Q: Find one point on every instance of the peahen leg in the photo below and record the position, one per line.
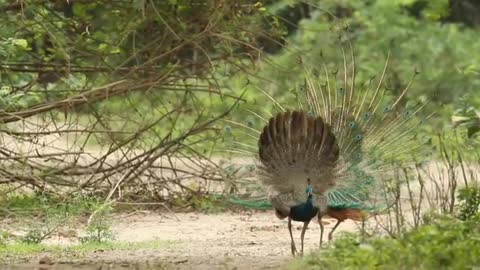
(304, 229)
(292, 243)
(321, 230)
(330, 234)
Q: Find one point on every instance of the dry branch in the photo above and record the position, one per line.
(72, 138)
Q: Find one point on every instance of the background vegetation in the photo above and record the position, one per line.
(103, 102)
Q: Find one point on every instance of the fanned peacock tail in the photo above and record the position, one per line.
(347, 139)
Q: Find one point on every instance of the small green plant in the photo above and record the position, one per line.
(469, 202)
(99, 229)
(99, 232)
(4, 237)
(41, 231)
(34, 236)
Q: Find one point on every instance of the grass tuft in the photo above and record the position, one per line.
(18, 251)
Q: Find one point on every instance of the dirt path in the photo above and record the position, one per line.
(245, 241)
(242, 240)
(218, 241)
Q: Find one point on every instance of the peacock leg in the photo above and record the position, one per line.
(321, 230)
(330, 235)
(292, 243)
(304, 229)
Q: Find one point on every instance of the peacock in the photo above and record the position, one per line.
(334, 152)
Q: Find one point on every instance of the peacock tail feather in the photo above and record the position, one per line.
(347, 139)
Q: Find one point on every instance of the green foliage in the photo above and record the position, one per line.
(85, 42)
(99, 230)
(4, 237)
(16, 251)
(469, 202)
(121, 35)
(57, 50)
(467, 116)
(36, 204)
(445, 243)
(35, 236)
(421, 45)
(410, 30)
(45, 213)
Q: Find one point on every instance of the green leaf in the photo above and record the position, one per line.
(102, 47)
(115, 50)
(139, 4)
(471, 131)
(22, 43)
(5, 90)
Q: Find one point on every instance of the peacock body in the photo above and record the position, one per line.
(333, 153)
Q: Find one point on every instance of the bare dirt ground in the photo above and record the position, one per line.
(248, 240)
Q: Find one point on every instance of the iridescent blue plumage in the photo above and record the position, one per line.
(304, 211)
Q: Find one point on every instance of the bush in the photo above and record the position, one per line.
(445, 243)
(469, 202)
(99, 230)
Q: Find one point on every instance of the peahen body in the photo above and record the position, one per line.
(341, 214)
(333, 153)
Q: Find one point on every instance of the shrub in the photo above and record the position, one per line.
(445, 243)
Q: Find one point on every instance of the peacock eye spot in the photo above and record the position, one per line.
(351, 124)
(386, 109)
(407, 113)
(358, 137)
(366, 116)
(250, 123)
(227, 129)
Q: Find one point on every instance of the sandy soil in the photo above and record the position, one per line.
(249, 240)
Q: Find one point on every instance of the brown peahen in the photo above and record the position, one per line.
(334, 152)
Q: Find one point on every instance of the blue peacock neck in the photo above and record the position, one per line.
(309, 191)
(304, 211)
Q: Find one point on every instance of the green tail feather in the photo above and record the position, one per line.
(264, 204)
